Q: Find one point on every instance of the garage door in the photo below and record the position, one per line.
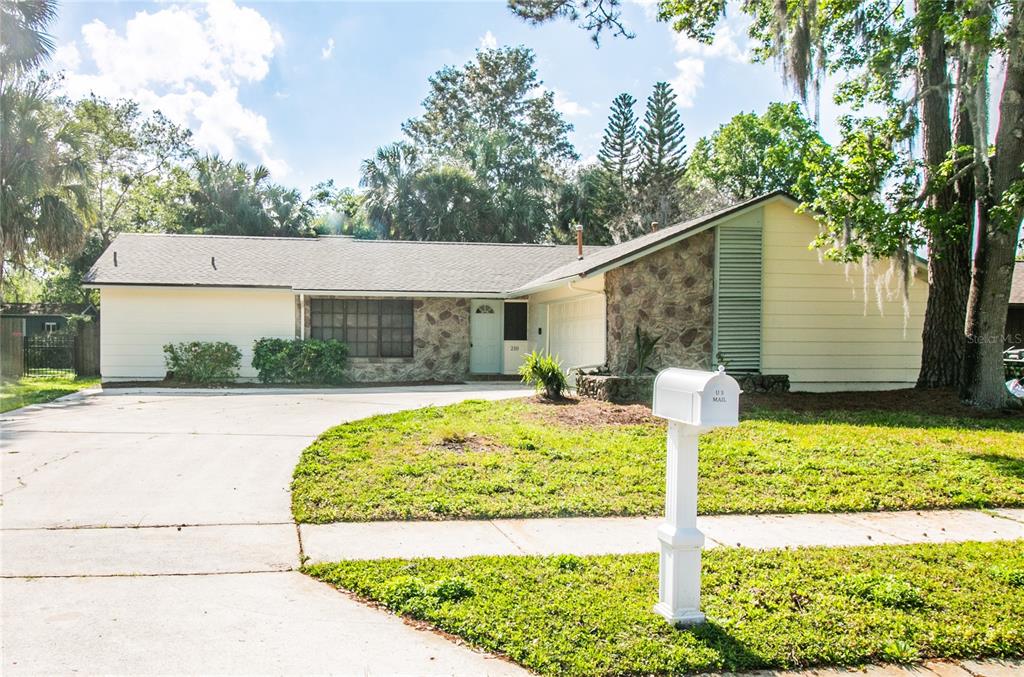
(576, 330)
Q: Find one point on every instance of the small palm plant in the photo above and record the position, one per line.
(645, 345)
(545, 373)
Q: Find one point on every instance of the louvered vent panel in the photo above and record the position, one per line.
(739, 297)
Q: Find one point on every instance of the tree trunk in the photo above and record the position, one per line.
(983, 383)
(942, 340)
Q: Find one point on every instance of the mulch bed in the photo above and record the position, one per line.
(937, 402)
(586, 412)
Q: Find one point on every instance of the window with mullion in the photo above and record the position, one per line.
(370, 328)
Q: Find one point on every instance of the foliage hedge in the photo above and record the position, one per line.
(202, 361)
(300, 360)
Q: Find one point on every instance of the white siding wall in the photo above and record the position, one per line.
(139, 321)
(816, 325)
(572, 323)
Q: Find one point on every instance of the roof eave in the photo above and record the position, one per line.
(404, 293)
(184, 285)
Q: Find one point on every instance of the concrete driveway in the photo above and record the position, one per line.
(150, 532)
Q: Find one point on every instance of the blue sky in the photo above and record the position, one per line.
(310, 89)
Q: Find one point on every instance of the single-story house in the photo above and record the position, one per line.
(740, 286)
(1015, 313)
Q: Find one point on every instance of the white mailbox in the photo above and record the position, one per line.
(692, 401)
(705, 399)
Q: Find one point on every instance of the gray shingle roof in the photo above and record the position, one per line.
(325, 264)
(342, 264)
(608, 256)
(1017, 289)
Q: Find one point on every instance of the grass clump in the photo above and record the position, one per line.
(526, 458)
(774, 609)
(36, 390)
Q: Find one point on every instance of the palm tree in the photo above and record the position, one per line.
(23, 44)
(42, 178)
(42, 173)
(228, 199)
(448, 204)
(389, 178)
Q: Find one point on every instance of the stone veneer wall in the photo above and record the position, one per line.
(640, 389)
(440, 346)
(670, 294)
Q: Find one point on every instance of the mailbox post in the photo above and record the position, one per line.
(692, 402)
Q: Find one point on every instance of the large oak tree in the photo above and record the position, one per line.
(928, 66)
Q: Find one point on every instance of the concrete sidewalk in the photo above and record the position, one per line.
(616, 535)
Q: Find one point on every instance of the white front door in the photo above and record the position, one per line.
(485, 337)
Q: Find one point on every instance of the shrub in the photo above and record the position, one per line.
(300, 360)
(645, 346)
(544, 372)
(202, 361)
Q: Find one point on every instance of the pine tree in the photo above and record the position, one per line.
(662, 148)
(616, 173)
(618, 147)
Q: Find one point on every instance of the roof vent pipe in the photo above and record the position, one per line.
(115, 259)
(654, 226)
(579, 241)
(213, 262)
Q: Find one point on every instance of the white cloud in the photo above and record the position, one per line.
(688, 80)
(567, 107)
(726, 45)
(326, 52)
(488, 41)
(650, 8)
(187, 61)
(67, 57)
(563, 104)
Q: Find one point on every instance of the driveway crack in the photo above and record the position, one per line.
(20, 478)
(302, 551)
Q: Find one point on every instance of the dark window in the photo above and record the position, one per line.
(515, 321)
(370, 328)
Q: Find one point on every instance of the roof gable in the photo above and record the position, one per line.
(608, 258)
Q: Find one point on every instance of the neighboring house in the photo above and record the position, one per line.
(34, 319)
(739, 286)
(1015, 314)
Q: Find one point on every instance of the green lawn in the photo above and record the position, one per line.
(568, 615)
(522, 458)
(33, 390)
